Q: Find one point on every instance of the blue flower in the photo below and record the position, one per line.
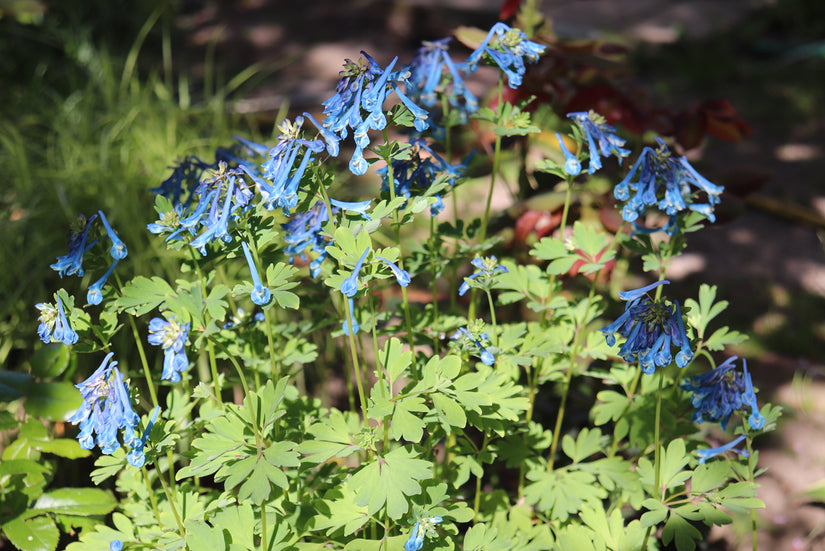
(54, 326)
(470, 341)
(571, 166)
(72, 263)
(94, 295)
(487, 268)
(428, 78)
(260, 295)
(185, 178)
(595, 130)
(651, 328)
(278, 183)
(508, 48)
(424, 526)
(115, 545)
(658, 179)
(358, 104)
(359, 206)
(168, 222)
(415, 175)
(709, 453)
(349, 287)
(118, 250)
(172, 337)
(722, 392)
(135, 457)
(105, 410)
(304, 232)
(402, 276)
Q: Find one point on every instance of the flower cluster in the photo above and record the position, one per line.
(651, 328)
(469, 340)
(722, 392)
(422, 527)
(601, 138)
(54, 326)
(508, 48)
(433, 72)
(417, 172)
(304, 232)
(658, 179)
(106, 408)
(487, 268)
(172, 337)
(358, 104)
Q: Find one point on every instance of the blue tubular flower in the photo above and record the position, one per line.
(351, 320)
(260, 295)
(508, 48)
(424, 526)
(650, 329)
(279, 181)
(115, 545)
(360, 207)
(572, 166)
(709, 453)
(471, 342)
(427, 77)
(135, 456)
(105, 409)
(402, 276)
(349, 287)
(94, 295)
(118, 250)
(487, 268)
(595, 130)
(722, 392)
(172, 337)
(54, 326)
(358, 104)
(303, 231)
(416, 174)
(72, 263)
(657, 179)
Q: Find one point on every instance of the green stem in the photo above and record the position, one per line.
(210, 348)
(397, 230)
(274, 366)
(492, 317)
(564, 212)
(181, 530)
(263, 527)
(152, 499)
(574, 352)
(434, 285)
(386, 387)
(142, 353)
(656, 452)
(477, 499)
(751, 478)
(356, 366)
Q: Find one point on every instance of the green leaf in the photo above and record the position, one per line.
(587, 443)
(64, 447)
(55, 401)
(683, 532)
(199, 535)
(34, 534)
(405, 423)
(76, 501)
(723, 337)
(610, 407)
(278, 280)
(232, 520)
(562, 492)
(555, 250)
(338, 509)
(710, 476)
(394, 359)
(389, 479)
(50, 361)
(141, 295)
(449, 411)
(701, 313)
(334, 437)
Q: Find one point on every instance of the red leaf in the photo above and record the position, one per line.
(508, 9)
